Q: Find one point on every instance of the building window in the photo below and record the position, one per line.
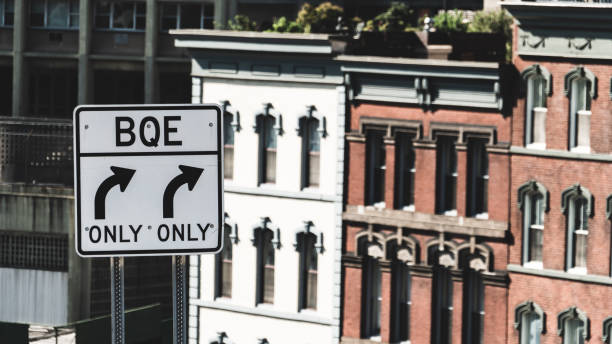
(442, 258)
(573, 326)
(306, 246)
(580, 87)
(311, 151)
(7, 12)
(472, 265)
(263, 240)
(372, 297)
(375, 168)
(533, 200)
(401, 283)
(228, 146)
(187, 16)
(267, 130)
(54, 13)
(536, 87)
(576, 203)
(405, 171)
(129, 16)
(53, 92)
(529, 320)
(223, 266)
(446, 176)
(370, 248)
(478, 179)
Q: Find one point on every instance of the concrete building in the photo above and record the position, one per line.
(561, 203)
(278, 277)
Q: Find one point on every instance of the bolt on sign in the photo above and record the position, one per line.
(148, 180)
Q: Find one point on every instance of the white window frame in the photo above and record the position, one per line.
(521, 312)
(112, 15)
(527, 194)
(569, 197)
(529, 75)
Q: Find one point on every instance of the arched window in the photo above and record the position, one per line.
(607, 330)
(580, 87)
(266, 240)
(231, 124)
(370, 247)
(402, 253)
(309, 244)
(573, 325)
(474, 261)
(268, 126)
(536, 82)
(533, 201)
(311, 128)
(577, 205)
(442, 256)
(529, 319)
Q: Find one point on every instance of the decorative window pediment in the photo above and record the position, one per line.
(529, 307)
(404, 248)
(266, 224)
(536, 70)
(220, 338)
(227, 108)
(580, 72)
(269, 110)
(576, 191)
(441, 252)
(309, 228)
(474, 256)
(311, 112)
(233, 228)
(370, 243)
(532, 187)
(573, 313)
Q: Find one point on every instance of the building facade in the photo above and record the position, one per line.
(560, 262)
(425, 222)
(277, 279)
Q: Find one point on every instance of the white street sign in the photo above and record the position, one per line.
(148, 180)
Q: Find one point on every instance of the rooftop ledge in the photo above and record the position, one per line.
(253, 41)
(422, 221)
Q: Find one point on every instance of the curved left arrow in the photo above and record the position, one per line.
(122, 177)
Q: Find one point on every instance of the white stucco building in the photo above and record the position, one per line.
(278, 279)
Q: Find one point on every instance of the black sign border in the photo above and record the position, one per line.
(77, 186)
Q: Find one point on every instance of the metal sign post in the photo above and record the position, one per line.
(179, 325)
(117, 304)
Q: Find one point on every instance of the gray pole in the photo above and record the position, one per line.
(117, 305)
(178, 300)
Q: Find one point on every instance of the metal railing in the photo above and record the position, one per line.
(36, 151)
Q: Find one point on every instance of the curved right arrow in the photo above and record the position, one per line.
(121, 176)
(190, 177)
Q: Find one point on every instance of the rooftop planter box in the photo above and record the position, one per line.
(472, 46)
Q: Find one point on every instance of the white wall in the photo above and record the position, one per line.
(33, 296)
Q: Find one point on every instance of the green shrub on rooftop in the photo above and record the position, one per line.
(283, 25)
(492, 21)
(397, 18)
(241, 23)
(450, 21)
(320, 19)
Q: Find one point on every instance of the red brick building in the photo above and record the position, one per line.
(560, 204)
(427, 194)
